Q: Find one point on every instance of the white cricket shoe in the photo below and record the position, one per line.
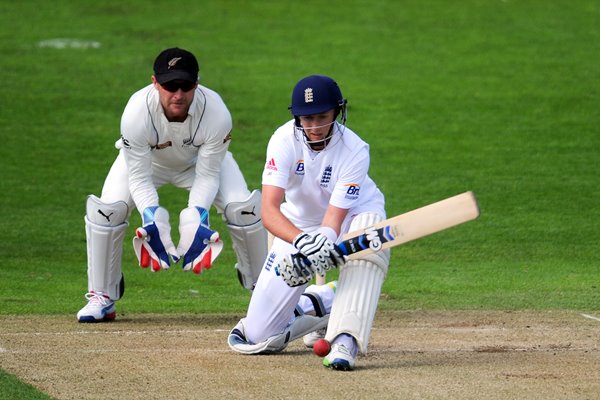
(344, 350)
(98, 309)
(311, 338)
(340, 358)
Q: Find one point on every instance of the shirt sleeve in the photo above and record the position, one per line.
(211, 152)
(346, 192)
(138, 155)
(279, 160)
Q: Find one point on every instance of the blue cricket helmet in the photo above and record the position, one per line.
(316, 94)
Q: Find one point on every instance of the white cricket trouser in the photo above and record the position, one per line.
(273, 302)
(232, 188)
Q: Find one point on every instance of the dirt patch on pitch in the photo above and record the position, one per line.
(413, 354)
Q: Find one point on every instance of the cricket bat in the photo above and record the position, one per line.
(412, 225)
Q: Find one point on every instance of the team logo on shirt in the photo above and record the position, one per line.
(352, 191)
(326, 177)
(300, 167)
(164, 145)
(271, 165)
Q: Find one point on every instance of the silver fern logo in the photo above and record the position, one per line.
(173, 61)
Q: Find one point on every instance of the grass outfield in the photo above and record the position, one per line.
(498, 97)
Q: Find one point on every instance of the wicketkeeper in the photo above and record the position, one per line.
(316, 187)
(173, 131)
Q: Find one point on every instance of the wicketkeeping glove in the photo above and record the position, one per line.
(152, 242)
(199, 245)
(321, 252)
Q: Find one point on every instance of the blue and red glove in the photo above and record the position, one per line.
(198, 245)
(152, 243)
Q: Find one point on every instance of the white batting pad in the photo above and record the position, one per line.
(358, 290)
(103, 214)
(105, 227)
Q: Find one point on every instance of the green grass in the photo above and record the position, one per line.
(11, 388)
(498, 97)
(495, 97)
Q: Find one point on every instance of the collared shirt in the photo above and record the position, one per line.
(150, 142)
(337, 175)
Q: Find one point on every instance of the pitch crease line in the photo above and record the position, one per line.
(121, 332)
(590, 317)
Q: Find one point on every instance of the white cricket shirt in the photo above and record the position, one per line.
(337, 175)
(151, 142)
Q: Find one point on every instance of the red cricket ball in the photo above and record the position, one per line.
(321, 347)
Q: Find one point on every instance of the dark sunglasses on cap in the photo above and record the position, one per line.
(174, 86)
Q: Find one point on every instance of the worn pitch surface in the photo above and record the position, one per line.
(412, 354)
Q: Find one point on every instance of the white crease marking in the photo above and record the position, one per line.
(590, 317)
(129, 332)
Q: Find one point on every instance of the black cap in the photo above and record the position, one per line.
(175, 63)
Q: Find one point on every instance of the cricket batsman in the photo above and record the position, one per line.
(315, 188)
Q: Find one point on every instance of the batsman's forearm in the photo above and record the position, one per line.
(278, 225)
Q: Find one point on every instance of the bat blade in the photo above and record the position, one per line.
(411, 225)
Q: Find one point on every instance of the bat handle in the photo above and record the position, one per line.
(320, 280)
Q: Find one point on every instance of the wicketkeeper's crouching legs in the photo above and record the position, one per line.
(248, 236)
(355, 303)
(105, 227)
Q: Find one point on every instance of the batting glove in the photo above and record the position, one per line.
(152, 242)
(321, 252)
(199, 245)
(295, 269)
